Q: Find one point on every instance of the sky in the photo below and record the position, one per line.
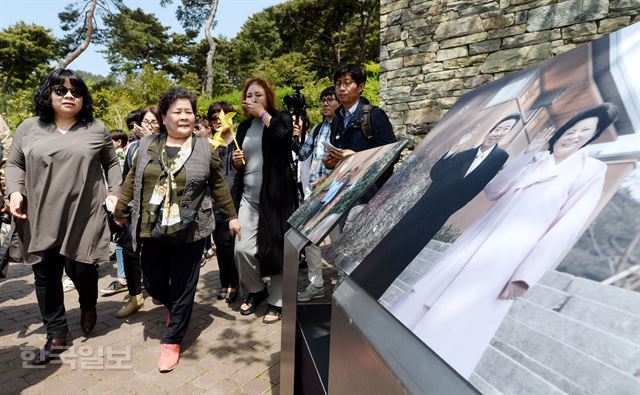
(230, 17)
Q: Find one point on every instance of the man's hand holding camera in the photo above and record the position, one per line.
(297, 127)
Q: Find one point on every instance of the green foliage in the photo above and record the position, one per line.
(299, 42)
(134, 38)
(17, 107)
(286, 70)
(372, 87)
(90, 78)
(257, 41)
(24, 51)
(192, 14)
(113, 100)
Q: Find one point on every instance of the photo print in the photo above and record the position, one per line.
(463, 244)
(335, 194)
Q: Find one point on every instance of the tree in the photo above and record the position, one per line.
(133, 39)
(327, 33)
(23, 50)
(191, 13)
(257, 40)
(81, 31)
(285, 70)
(331, 34)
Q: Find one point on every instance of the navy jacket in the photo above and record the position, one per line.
(352, 137)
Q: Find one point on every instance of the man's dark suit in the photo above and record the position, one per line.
(449, 191)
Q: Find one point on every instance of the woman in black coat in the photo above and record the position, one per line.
(265, 196)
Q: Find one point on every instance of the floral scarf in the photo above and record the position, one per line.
(164, 205)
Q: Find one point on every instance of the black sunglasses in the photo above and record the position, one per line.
(62, 90)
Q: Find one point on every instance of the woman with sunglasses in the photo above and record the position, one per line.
(55, 181)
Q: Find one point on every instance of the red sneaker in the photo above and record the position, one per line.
(169, 357)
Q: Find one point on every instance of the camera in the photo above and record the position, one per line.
(296, 102)
(297, 106)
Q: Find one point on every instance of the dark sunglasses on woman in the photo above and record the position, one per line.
(62, 90)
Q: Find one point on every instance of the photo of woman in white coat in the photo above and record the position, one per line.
(541, 203)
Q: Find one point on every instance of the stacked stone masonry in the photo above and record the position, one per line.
(434, 51)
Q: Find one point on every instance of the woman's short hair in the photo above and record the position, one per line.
(42, 98)
(119, 135)
(269, 93)
(134, 118)
(153, 110)
(171, 96)
(214, 109)
(606, 113)
(356, 71)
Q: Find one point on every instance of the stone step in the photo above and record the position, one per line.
(507, 376)
(562, 364)
(483, 386)
(619, 298)
(544, 372)
(601, 316)
(608, 349)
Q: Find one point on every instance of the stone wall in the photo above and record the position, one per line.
(433, 51)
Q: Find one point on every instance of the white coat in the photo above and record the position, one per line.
(540, 208)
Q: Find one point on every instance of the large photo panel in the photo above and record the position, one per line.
(335, 194)
(485, 209)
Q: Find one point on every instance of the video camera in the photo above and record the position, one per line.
(297, 106)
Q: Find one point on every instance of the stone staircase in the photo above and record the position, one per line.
(567, 335)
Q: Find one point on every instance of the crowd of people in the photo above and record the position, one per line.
(163, 191)
(174, 187)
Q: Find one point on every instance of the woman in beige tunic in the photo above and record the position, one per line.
(55, 181)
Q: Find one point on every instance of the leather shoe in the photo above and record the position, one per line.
(88, 321)
(169, 357)
(132, 305)
(52, 347)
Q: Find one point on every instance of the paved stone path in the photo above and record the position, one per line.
(223, 353)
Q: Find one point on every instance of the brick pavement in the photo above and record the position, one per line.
(224, 352)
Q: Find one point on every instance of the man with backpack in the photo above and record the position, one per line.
(357, 126)
(314, 149)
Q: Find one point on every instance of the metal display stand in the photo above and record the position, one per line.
(352, 345)
(304, 355)
(373, 353)
(294, 242)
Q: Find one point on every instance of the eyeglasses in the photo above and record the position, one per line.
(62, 90)
(149, 123)
(345, 82)
(327, 100)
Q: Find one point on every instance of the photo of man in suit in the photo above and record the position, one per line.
(456, 178)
